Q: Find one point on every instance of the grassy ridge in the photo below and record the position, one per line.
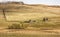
(17, 12)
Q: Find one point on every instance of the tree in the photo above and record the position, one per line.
(4, 14)
(22, 3)
(45, 19)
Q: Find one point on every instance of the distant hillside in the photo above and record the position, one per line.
(19, 10)
(8, 4)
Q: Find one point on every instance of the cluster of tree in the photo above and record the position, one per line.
(29, 21)
(45, 19)
(22, 3)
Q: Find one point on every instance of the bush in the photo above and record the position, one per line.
(15, 26)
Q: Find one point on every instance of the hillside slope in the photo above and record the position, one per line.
(19, 12)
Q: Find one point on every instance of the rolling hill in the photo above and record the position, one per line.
(15, 11)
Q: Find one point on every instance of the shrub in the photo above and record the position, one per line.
(45, 19)
(15, 26)
(18, 26)
(27, 21)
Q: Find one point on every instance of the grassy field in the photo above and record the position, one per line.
(19, 14)
(28, 33)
